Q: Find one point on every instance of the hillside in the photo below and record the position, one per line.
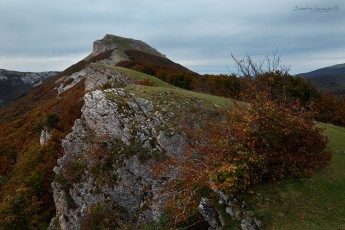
(33, 127)
(329, 79)
(156, 62)
(100, 145)
(14, 84)
(129, 128)
(310, 203)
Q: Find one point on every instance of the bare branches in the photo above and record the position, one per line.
(247, 67)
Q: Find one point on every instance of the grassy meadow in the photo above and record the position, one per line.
(317, 202)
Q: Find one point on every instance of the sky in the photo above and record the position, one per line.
(44, 35)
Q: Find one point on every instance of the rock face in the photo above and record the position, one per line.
(45, 136)
(98, 48)
(68, 82)
(210, 214)
(98, 77)
(107, 157)
(95, 77)
(238, 212)
(120, 44)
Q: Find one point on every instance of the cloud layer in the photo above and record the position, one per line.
(41, 35)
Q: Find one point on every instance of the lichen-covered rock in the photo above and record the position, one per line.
(238, 212)
(99, 48)
(249, 223)
(210, 214)
(107, 159)
(67, 82)
(45, 136)
(117, 43)
(97, 77)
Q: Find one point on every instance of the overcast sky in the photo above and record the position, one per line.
(41, 35)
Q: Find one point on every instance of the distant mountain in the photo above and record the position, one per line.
(329, 79)
(14, 84)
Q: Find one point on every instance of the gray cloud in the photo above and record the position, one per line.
(42, 35)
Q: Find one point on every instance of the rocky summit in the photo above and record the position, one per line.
(118, 45)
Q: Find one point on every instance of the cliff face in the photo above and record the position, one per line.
(119, 45)
(108, 154)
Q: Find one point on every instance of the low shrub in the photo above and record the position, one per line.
(104, 216)
(263, 142)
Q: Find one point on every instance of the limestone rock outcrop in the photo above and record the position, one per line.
(45, 136)
(120, 44)
(107, 158)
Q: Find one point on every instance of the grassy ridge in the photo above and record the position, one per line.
(151, 92)
(219, 101)
(313, 203)
(136, 75)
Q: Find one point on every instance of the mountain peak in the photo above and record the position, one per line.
(121, 44)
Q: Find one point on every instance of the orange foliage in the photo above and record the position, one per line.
(266, 141)
(177, 75)
(146, 82)
(328, 109)
(25, 164)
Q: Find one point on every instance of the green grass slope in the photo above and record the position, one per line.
(151, 93)
(313, 203)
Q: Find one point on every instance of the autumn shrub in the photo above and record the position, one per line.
(146, 82)
(328, 109)
(104, 216)
(52, 120)
(286, 138)
(107, 85)
(26, 199)
(264, 141)
(75, 169)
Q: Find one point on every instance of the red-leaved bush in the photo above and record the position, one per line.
(263, 141)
